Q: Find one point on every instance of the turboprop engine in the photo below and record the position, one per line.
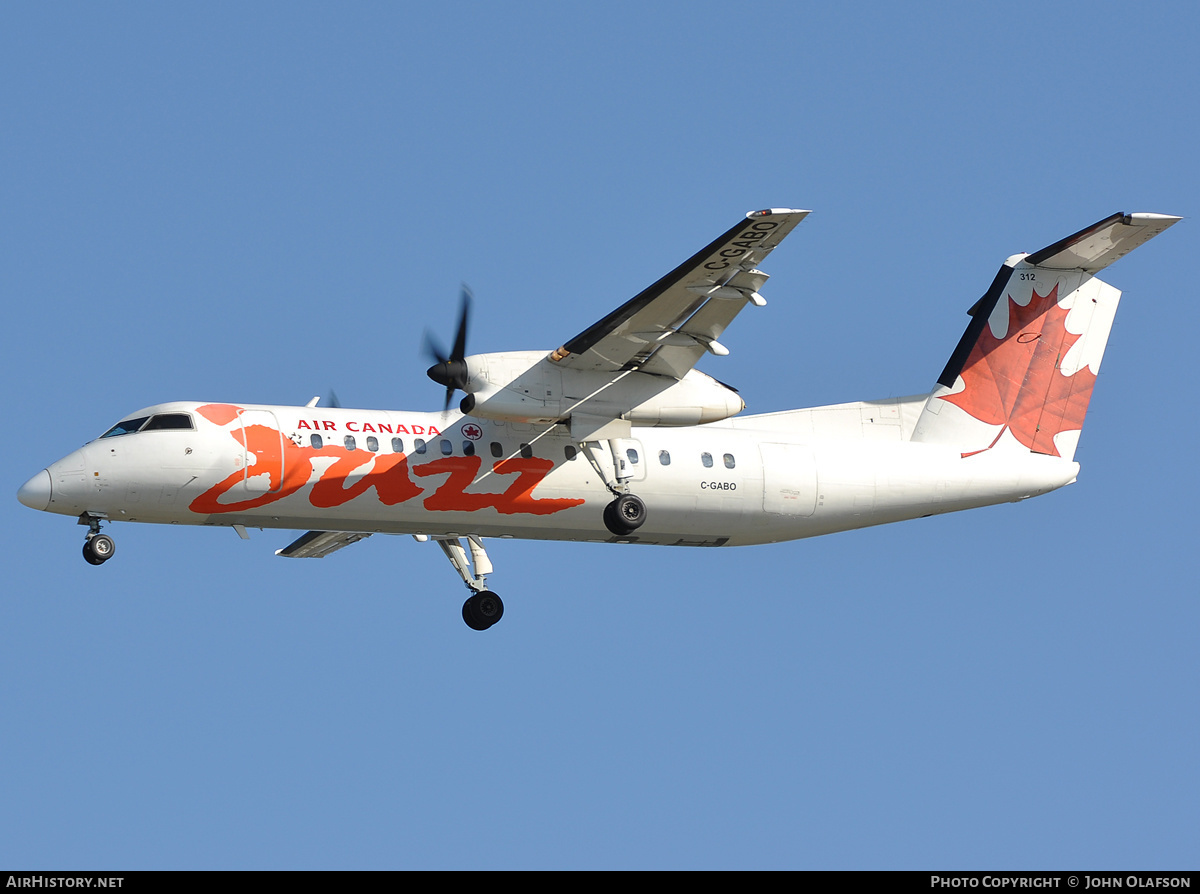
(525, 386)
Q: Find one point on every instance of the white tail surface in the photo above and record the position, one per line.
(1023, 372)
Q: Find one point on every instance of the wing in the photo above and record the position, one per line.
(667, 328)
(319, 544)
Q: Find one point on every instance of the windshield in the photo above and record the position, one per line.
(161, 422)
(125, 427)
(165, 421)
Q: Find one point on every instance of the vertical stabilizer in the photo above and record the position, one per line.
(1022, 375)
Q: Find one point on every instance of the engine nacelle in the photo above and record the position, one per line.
(526, 387)
(507, 405)
(693, 400)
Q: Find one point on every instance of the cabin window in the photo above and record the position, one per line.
(706, 458)
(317, 441)
(126, 427)
(397, 445)
(497, 449)
(633, 456)
(570, 452)
(419, 445)
(729, 461)
(664, 457)
(526, 451)
(372, 443)
(169, 422)
(447, 448)
(468, 448)
(349, 442)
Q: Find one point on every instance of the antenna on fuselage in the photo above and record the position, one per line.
(330, 401)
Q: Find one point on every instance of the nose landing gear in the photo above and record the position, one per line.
(97, 548)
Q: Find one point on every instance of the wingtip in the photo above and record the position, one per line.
(767, 211)
(1148, 218)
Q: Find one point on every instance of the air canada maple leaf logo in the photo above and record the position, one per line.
(1017, 381)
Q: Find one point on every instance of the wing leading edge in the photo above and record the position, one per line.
(667, 328)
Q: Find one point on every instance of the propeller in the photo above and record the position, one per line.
(451, 369)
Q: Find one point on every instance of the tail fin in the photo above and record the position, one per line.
(1022, 374)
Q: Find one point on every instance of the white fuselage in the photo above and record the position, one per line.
(753, 479)
(615, 437)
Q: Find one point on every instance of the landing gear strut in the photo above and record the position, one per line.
(97, 548)
(483, 608)
(627, 512)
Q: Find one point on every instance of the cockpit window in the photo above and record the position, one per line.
(172, 421)
(161, 422)
(125, 427)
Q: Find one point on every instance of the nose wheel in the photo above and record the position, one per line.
(98, 549)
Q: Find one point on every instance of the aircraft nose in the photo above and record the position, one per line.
(35, 493)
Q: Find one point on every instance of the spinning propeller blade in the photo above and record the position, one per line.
(451, 370)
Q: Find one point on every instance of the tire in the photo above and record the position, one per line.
(482, 610)
(87, 554)
(625, 514)
(99, 549)
(610, 518)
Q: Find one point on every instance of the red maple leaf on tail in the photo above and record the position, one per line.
(1017, 381)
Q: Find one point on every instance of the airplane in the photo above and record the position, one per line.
(616, 437)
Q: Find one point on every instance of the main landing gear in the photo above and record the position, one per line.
(483, 608)
(97, 548)
(627, 512)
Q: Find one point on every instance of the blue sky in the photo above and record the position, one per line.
(260, 202)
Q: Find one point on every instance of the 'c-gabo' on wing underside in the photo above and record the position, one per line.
(615, 437)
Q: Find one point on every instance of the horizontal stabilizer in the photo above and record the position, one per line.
(1096, 247)
(319, 544)
(1022, 374)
